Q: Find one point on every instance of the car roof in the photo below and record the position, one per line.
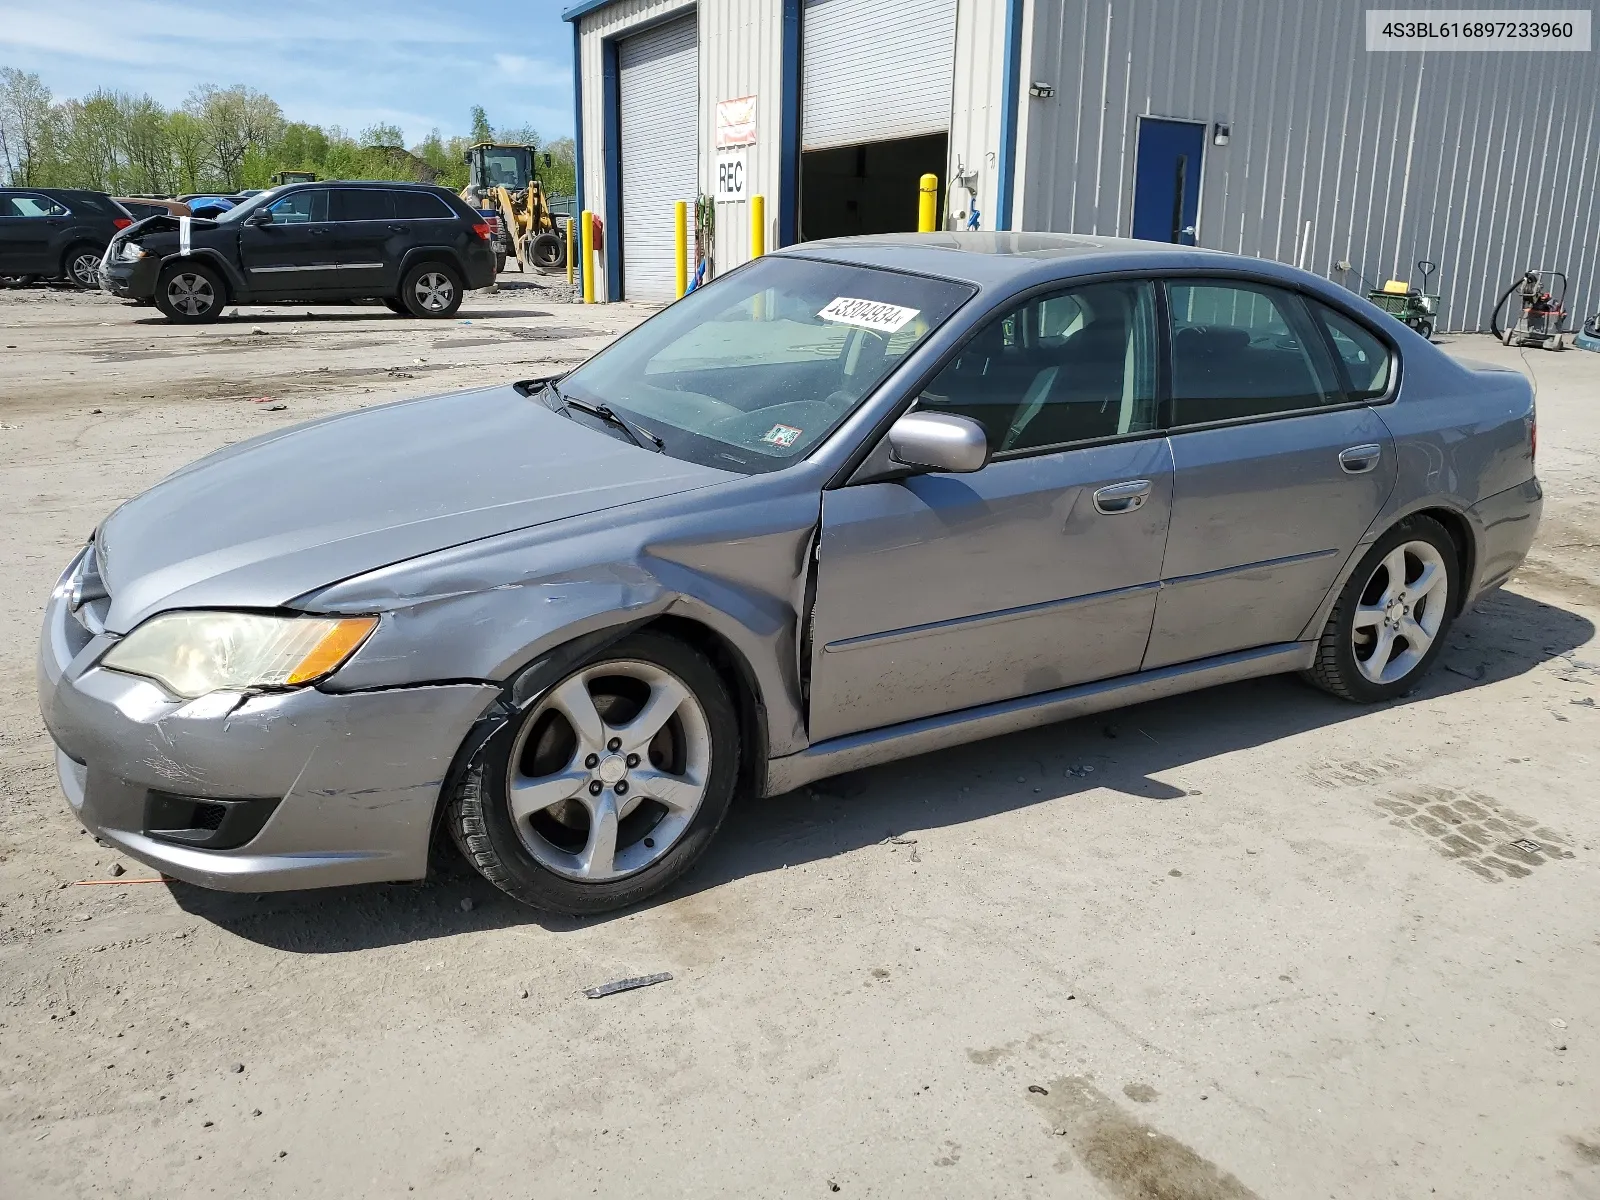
(1001, 260)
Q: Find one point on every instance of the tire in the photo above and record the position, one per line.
(548, 252)
(394, 305)
(1510, 335)
(1425, 328)
(549, 856)
(80, 266)
(190, 294)
(1386, 613)
(500, 262)
(431, 289)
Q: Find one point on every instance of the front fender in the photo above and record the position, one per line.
(238, 288)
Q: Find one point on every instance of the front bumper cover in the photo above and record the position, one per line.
(357, 776)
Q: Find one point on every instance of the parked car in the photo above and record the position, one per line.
(140, 207)
(853, 501)
(57, 233)
(417, 248)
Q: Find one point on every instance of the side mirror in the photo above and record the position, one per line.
(939, 442)
(262, 216)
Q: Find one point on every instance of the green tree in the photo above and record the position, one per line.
(382, 135)
(235, 119)
(29, 121)
(482, 131)
(186, 140)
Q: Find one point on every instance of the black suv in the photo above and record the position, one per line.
(57, 232)
(416, 248)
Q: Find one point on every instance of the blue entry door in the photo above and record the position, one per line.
(1166, 185)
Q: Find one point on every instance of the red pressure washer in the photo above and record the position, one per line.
(1543, 312)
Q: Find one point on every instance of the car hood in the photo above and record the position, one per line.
(262, 522)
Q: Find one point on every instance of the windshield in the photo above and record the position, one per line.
(243, 209)
(752, 371)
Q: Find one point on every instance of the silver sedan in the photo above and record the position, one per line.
(851, 502)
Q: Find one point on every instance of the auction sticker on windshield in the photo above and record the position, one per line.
(781, 435)
(869, 314)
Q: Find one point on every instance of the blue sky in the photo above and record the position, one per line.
(413, 63)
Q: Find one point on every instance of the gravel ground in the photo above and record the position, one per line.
(1238, 944)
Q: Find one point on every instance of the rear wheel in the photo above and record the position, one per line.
(190, 293)
(499, 262)
(431, 289)
(1393, 615)
(81, 266)
(609, 787)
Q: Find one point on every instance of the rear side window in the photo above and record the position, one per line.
(362, 204)
(1244, 350)
(35, 206)
(1363, 357)
(301, 208)
(420, 206)
(141, 211)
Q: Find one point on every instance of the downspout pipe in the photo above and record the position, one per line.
(1011, 95)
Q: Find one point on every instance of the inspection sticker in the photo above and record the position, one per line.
(869, 314)
(781, 435)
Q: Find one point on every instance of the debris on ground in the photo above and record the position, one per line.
(626, 985)
(275, 408)
(118, 869)
(1037, 1090)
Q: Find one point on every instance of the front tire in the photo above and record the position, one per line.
(607, 788)
(1392, 617)
(190, 294)
(431, 289)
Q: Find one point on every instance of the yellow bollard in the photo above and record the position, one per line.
(588, 257)
(572, 264)
(927, 204)
(758, 226)
(680, 244)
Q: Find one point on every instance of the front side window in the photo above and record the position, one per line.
(362, 204)
(752, 371)
(1363, 357)
(35, 206)
(1075, 366)
(1244, 350)
(301, 208)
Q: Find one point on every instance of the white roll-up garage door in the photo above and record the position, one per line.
(873, 70)
(659, 82)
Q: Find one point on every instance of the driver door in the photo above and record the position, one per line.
(938, 592)
(294, 254)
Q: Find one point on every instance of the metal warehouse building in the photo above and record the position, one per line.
(1261, 128)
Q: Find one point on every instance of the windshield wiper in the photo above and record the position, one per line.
(637, 432)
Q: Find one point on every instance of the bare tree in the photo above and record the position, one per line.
(235, 120)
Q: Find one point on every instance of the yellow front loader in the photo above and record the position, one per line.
(500, 180)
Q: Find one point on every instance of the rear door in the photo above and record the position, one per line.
(363, 227)
(292, 255)
(940, 592)
(1279, 469)
(30, 225)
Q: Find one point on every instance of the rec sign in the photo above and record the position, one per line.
(731, 175)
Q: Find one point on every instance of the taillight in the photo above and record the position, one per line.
(120, 222)
(482, 230)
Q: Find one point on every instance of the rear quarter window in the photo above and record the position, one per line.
(1363, 357)
(420, 206)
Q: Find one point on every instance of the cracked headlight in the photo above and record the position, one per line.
(132, 252)
(192, 654)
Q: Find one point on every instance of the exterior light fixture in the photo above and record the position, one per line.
(1042, 90)
(1219, 134)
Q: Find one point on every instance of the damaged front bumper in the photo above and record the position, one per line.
(250, 792)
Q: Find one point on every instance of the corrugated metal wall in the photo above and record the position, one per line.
(975, 106)
(1484, 163)
(741, 43)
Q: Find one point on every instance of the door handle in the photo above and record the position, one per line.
(1126, 497)
(1358, 460)
(399, 229)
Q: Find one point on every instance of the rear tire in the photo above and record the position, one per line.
(431, 289)
(80, 266)
(190, 294)
(588, 834)
(1393, 615)
(500, 262)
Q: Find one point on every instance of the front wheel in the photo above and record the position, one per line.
(190, 294)
(1393, 615)
(431, 290)
(609, 787)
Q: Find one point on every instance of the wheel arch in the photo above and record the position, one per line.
(1465, 542)
(233, 288)
(424, 254)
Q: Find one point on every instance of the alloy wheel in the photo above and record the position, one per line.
(1401, 609)
(609, 770)
(191, 294)
(85, 269)
(434, 291)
